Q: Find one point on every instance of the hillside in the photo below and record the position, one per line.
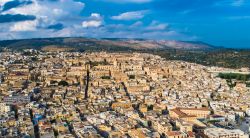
(196, 52)
(105, 44)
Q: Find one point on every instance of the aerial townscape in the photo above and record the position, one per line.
(124, 69)
(60, 94)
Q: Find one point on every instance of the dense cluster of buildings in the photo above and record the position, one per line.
(117, 95)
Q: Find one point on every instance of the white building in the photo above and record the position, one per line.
(248, 112)
(4, 108)
(224, 133)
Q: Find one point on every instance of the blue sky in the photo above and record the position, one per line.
(218, 22)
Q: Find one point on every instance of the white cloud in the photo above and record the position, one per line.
(93, 23)
(134, 15)
(48, 8)
(157, 26)
(136, 24)
(2, 2)
(136, 30)
(95, 20)
(24, 26)
(67, 12)
(96, 16)
(47, 13)
(68, 32)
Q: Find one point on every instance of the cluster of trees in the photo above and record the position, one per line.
(248, 84)
(60, 83)
(100, 63)
(92, 64)
(219, 57)
(131, 77)
(230, 83)
(235, 76)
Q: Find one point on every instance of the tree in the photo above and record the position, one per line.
(34, 58)
(53, 82)
(150, 107)
(105, 77)
(81, 50)
(131, 77)
(63, 83)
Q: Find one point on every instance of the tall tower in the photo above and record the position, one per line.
(1, 78)
(87, 85)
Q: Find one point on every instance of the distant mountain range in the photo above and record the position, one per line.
(105, 44)
(196, 52)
